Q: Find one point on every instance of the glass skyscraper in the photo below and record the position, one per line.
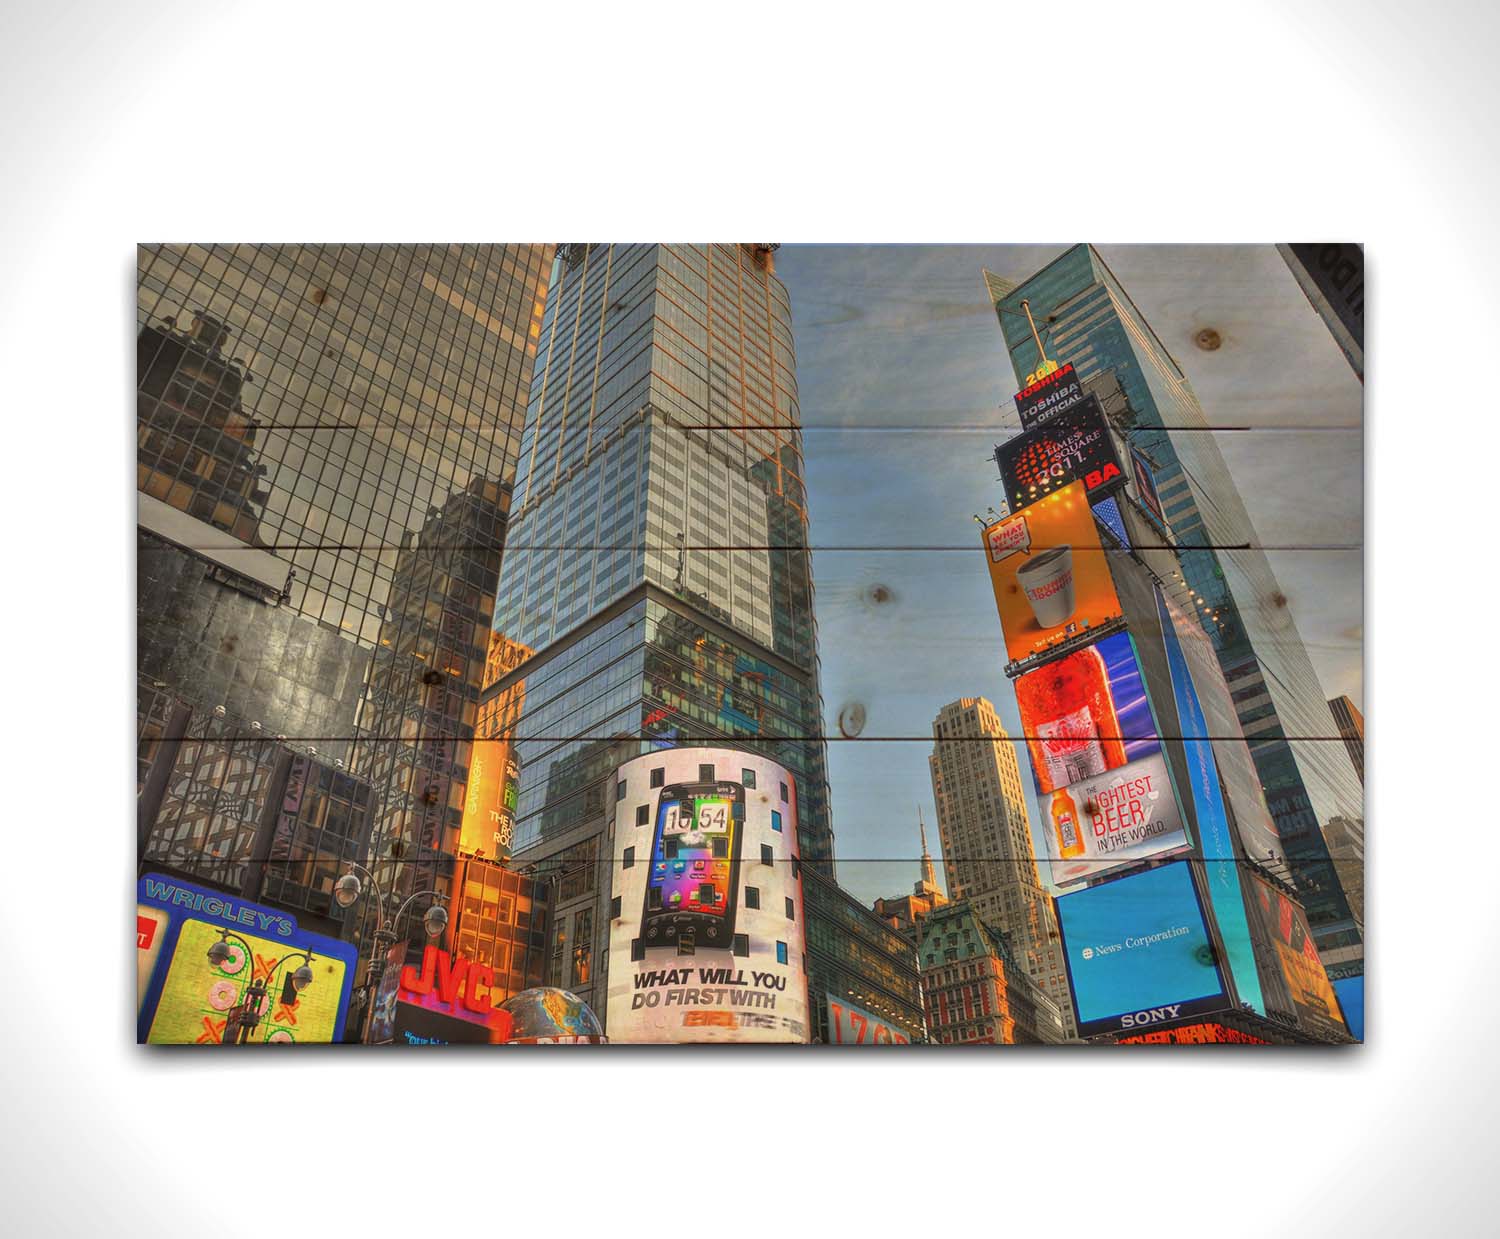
(1085, 317)
(657, 561)
(657, 564)
(327, 439)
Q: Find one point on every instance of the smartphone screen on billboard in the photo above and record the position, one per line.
(695, 854)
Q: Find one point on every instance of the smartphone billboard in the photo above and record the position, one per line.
(706, 930)
(1049, 572)
(1138, 952)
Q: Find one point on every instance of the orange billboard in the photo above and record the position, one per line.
(1049, 573)
(490, 794)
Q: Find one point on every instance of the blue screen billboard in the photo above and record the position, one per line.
(1351, 996)
(1220, 860)
(1138, 952)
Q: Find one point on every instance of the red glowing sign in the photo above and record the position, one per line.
(1050, 394)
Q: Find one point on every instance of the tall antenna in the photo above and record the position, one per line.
(1035, 335)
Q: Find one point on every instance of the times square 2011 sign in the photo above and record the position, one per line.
(1074, 445)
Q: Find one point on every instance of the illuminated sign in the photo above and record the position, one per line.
(381, 1028)
(1285, 923)
(487, 828)
(1193, 1034)
(852, 1025)
(414, 1025)
(1073, 445)
(706, 943)
(453, 986)
(1145, 485)
(1216, 840)
(1047, 393)
(1138, 952)
(185, 999)
(489, 819)
(1049, 573)
(1198, 682)
(1351, 995)
(1086, 714)
(1119, 818)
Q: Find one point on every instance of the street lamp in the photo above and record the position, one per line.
(243, 1017)
(346, 892)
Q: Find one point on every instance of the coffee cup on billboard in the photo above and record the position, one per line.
(1047, 581)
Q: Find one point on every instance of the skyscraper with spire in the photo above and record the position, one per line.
(903, 912)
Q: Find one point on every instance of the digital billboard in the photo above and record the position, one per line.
(1048, 395)
(487, 828)
(1138, 952)
(1351, 996)
(1049, 573)
(186, 999)
(1086, 714)
(1098, 825)
(706, 934)
(1145, 485)
(1285, 923)
(849, 1024)
(1075, 445)
(381, 1028)
(1220, 854)
(417, 1025)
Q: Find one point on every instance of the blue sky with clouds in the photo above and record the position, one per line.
(905, 388)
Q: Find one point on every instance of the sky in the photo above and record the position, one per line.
(905, 389)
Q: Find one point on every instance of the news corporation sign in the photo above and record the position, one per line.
(1138, 951)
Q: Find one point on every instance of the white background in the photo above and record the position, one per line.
(1110, 122)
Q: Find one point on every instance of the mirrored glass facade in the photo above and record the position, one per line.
(657, 559)
(326, 445)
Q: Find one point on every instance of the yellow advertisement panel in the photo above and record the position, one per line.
(197, 996)
(1285, 923)
(1049, 572)
(490, 795)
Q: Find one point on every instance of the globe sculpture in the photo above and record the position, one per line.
(546, 1015)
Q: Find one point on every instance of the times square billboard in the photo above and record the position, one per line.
(1104, 792)
(185, 996)
(1138, 952)
(1049, 573)
(706, 938)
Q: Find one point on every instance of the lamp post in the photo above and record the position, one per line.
(243, 1017)
(346, 891)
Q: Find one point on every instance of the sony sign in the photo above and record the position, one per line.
(1153, 1015)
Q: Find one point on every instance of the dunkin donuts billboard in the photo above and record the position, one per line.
(1049, 573)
